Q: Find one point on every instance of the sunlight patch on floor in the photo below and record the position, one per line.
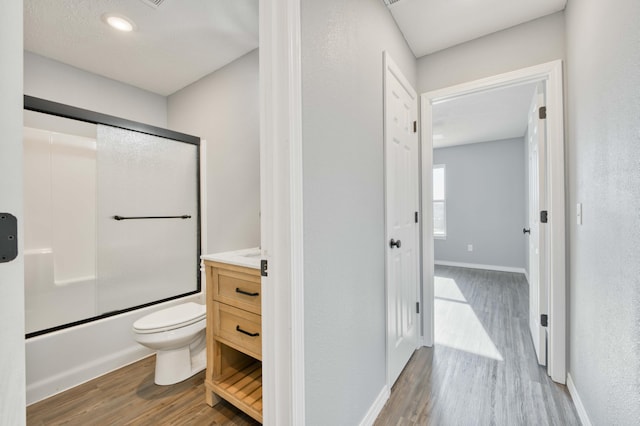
(446, 288)
(457, 325)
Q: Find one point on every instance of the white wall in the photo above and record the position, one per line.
(58, 82)
(12, 366)
(344, 246)
(532, 43)
(223, 109)
(603, 59)
(485, 204)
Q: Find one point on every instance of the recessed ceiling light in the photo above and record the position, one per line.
(119, 22)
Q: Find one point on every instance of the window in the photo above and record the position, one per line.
(439, 202)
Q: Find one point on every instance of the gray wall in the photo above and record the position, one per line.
(603, 45)
(342, 111)
(223, 108)
(532, 43)
(55, 81)
(485, 184)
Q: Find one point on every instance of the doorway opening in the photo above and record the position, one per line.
(550, 269)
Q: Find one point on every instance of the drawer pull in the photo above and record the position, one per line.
(246, 332)
(246, 293)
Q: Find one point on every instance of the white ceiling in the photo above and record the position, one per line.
(481, 117)
(432, 25)
(174, 45)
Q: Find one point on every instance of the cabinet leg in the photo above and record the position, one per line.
(211, 398)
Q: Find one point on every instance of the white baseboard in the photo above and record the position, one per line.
(376, 407)
(582, 413)
(480, 266)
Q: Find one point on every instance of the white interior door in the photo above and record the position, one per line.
(537, 201)
(402, 231)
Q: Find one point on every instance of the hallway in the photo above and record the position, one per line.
(482, 369)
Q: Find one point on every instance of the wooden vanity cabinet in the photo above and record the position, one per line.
(234, 337)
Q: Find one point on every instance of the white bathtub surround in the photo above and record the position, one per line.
(249, 258)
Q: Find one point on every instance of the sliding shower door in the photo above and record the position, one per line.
(147, 216)
(111, 218)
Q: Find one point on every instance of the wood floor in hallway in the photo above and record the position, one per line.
(482, 369)
(129, 396)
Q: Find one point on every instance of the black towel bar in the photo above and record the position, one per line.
(184, 216)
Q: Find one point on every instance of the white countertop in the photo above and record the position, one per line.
(249, 258)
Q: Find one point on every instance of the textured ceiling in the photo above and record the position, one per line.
(481, 117)
(432, 25)
(174, 45)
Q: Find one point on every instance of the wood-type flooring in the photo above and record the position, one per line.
(482, 369)
(128, 396)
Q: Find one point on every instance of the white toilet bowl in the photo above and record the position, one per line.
(178, 335)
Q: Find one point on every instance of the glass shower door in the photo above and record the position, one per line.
(111, 218)
(150, 254)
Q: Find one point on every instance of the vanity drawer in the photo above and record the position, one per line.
(238, 328)
(238, 289)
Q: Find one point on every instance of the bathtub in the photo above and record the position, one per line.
(60, 360)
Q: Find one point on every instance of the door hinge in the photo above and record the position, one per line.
(8, 237)
(415, 216)
(264, 268)
(542, 112)
(417, 307)
(544, 216)
(544, 320)
(415, 127)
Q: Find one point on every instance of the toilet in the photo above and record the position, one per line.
(178, 335)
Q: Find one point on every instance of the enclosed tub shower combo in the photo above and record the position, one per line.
(111, 226)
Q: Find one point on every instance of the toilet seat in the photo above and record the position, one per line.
(171, 318)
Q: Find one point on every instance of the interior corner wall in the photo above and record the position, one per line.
(528, 44)
(343, 173)
(603, 59)
(223, 109)
(59, 82)
(484, 184)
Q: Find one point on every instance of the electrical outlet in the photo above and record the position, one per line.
(469, 247)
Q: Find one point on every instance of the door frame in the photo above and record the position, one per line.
(554, 250)
(390, 67)
(281, 208)
(12, 356)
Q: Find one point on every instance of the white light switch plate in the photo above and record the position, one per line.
(469, 247)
